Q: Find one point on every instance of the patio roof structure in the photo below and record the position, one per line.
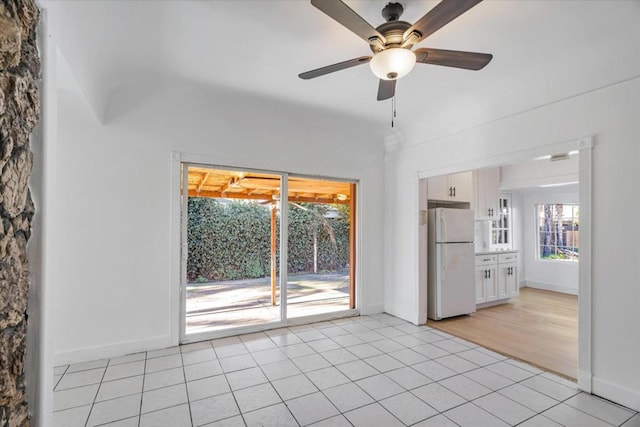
(207, 182)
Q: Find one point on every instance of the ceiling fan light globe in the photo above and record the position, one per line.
(392, 63)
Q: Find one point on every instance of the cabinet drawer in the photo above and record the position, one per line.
(486, 259)
(510, 257)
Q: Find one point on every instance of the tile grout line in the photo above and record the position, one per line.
(144, 377)
(97, 391)
(186, 388)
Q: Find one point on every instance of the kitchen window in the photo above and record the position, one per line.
(501, 227)
(558, 231)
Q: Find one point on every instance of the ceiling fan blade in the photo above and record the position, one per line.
(386, 89)
(453, 58)
(339, 11)
(334, 67)
(443, 13)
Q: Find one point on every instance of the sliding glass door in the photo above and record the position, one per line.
(319, 268)
(232, 233)
(239, 235)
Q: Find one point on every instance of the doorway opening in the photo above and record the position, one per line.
(511, 235)
(252, 260)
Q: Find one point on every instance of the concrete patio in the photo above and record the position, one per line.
(219, 305)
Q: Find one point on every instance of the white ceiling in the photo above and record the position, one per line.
(543, 51)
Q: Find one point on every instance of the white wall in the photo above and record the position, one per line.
(611, 116)
(112, 288)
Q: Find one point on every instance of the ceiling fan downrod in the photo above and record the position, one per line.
(392, 11)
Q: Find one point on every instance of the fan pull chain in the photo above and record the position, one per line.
(393, 109)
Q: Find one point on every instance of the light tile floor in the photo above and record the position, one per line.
(361, 371)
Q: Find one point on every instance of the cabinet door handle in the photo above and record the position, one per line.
(454, 191)
(489, 271)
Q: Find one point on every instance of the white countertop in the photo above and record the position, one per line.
(496, 252)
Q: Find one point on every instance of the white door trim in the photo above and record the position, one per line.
(584, 274)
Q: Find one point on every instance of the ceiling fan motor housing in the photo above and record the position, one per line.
(393, 32)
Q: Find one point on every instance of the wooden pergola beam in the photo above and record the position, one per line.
(265, 197)
(204, 179)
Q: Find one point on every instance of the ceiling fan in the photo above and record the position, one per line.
(392, 41)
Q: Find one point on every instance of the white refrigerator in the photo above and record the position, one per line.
(450, 263)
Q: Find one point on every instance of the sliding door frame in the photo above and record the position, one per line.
(180, 164)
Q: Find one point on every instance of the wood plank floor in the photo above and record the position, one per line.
(538, 327)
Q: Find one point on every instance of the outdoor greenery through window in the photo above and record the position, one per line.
(558, 231)
(229, 239)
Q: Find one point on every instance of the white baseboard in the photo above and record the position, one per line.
(372, 309)
(615, 393)
(88, 354)
(550, 287)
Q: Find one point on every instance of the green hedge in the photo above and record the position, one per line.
(231, 240)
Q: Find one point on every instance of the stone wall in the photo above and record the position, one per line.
(19, 113)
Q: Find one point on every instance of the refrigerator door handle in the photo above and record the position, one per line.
(443, 250)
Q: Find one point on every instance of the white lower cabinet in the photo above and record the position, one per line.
(486, 278)
(496, 277)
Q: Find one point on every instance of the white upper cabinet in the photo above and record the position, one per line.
(486, 184)
(438, 188)
(453, 188)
